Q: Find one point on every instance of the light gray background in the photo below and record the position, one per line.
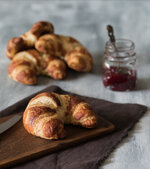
(86, 21)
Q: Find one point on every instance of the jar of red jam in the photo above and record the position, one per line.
(119, 72)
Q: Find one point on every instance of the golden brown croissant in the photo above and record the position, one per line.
(47, 113)
(26, 65)
(27, 40)
(49, 58)
(67, 48)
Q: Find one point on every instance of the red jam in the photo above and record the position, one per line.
(119, 79)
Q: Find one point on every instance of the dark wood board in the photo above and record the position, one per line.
(17, 145)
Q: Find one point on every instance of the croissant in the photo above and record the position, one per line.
(41, 52)
(27, 65)
(67, 48)
(27, 40)
(47, 113)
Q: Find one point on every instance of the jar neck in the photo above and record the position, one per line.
(122, 50)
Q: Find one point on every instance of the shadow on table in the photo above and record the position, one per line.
(72, 75)
(97, 68)
(143, 84)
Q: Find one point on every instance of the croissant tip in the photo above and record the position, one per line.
(29, 82)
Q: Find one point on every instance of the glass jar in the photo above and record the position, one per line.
(119, 72)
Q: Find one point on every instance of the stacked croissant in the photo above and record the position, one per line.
(41, 52)
(47, 113)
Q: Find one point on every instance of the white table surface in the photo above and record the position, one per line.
(86, 21)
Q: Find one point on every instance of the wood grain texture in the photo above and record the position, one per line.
(17, 145)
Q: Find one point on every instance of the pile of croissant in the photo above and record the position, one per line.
(42, 52)
(47, 113)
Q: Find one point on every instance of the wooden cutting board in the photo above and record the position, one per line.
(17, 145)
